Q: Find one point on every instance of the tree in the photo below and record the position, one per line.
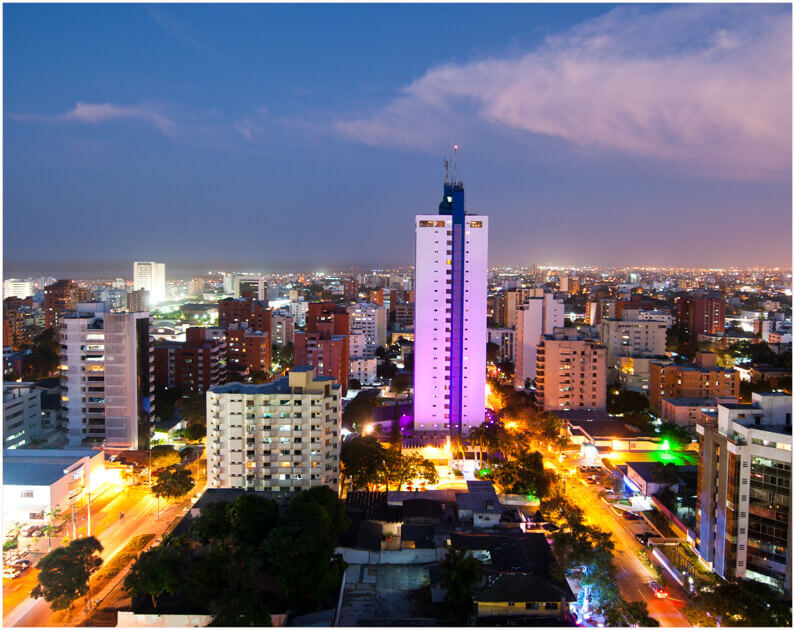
(44, 355)
(362, 461)
(48, 530)
(212, 525)
(627, 401)
(492, 352)
(173, 482)
(164, 456)
(166, 403)
(258, 377)
(459, 573)
(251, 517)
(193, 408)
(745, 603)
(526, 475)
(65, 571)
(195, 432)
(629, 614)
(354, 383)
(156, 572)
(326, 498)
(301, 553)
(677, 436)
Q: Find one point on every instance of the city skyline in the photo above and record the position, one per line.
(165, 153)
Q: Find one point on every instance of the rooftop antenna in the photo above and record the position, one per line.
(446, 169)
(455, 161)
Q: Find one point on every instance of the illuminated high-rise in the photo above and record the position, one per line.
(450, 316)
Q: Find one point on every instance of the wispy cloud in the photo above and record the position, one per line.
(706, 87)
(251, 127)
(176, 29)
(96, 113)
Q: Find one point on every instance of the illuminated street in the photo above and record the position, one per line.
(633, 576)
(140, 517)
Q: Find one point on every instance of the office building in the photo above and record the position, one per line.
(451, 269)
(624, 338)
(369, 320)
(298, 310)
(150, 276)
(744, 515)
(21, 414)
(539, 315)
(350, 289)
(280, 436)
(701, 379)
(570, 374)
(246, 285)
(698, 315)
(107, 377)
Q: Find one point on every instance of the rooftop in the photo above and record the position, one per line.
(29, 467)
(606, 429)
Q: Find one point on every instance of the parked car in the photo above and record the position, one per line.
(658, 590)
(630, 516)
(592, 480)
(20, 563)
(11, 572)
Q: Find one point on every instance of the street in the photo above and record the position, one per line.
(633, 575)
(140, 517)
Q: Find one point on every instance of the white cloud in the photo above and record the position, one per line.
(706, 87)
(95, 113)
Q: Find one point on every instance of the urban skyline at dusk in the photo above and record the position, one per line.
(250, 125)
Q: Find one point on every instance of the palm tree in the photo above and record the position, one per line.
(48, 530)
(53, 515)
(460, 572)
(15, 530)
(477, 437)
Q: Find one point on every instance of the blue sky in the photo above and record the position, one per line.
(275, 137)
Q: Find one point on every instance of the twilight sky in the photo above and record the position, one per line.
(307, 136)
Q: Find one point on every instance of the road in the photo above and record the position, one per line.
(633, 575)
(140, 517)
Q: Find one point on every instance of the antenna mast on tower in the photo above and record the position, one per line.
(455, 161)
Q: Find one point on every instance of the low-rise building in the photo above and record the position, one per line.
(36, 481)
(701, 379)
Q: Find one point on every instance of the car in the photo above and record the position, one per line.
(643, 538)
(11, 572)
(630, 516)
(21, 564)
(658, 590)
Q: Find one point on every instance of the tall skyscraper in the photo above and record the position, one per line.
(150, 276)
(450, 316)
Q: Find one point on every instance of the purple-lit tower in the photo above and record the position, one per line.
(451, 268)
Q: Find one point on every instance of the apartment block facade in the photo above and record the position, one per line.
(280, 436)
(701, 379)
(571, 374)
(539, 315)
(744, 515)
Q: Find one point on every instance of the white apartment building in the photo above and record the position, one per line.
(107, 376)
(298, 310)
(451, 269)
(150, 276)
(504, 338)
(235, 284)
(282, 328)
(17, 288)
(538, 316)
(283, 435)
(624, 338)
(369, 320)
(364, 370)
(21, 414)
